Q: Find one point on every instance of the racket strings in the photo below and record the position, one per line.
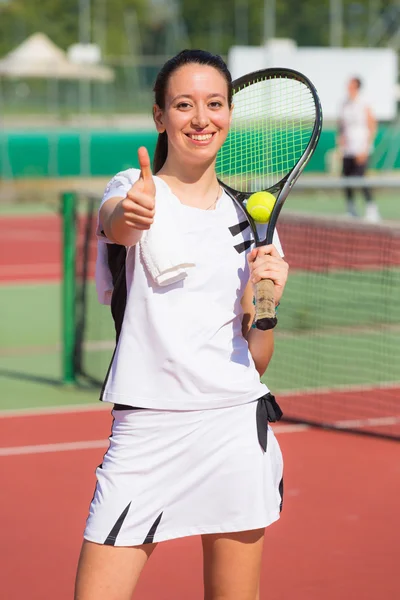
(272, 124)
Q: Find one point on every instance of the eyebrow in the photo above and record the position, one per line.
(191, 97)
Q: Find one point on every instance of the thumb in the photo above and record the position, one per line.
(252, 255)
(145, 168)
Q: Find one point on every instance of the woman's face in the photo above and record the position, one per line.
(196, 116)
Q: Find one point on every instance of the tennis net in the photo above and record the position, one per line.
(337, 354)
(337, 359)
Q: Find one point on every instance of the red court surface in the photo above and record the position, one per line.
(338, 538)
(30, 247)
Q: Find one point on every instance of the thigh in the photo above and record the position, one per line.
(360, 168)
(232, 564)
(109, 572)
(349, 166)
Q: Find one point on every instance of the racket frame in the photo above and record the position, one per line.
(282, 188)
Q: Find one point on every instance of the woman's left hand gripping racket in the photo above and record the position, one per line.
(276, 125)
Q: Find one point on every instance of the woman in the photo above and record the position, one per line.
(184, 456)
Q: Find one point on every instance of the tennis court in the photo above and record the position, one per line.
(338, 533)
(338, 328)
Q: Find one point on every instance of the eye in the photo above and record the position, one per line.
(215, 104)
(183, 105)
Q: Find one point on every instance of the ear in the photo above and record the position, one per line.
(158, 118)
(231, 113)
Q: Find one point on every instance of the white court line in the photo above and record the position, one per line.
(293, 428)
(372, 422)
(90, 445)
(55, 410)
(339, 388)
(51, 448)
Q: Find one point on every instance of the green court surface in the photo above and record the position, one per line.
(30, 351)
(338, 328)
(323, 202)
(24, 209)
(334, 330)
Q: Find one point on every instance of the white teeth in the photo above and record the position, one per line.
(201, 138)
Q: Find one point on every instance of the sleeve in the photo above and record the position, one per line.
(118, 187)
(277, 243)
(120, 184)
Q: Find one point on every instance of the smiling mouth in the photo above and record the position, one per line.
(200, 137)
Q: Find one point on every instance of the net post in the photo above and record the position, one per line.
(68, 211)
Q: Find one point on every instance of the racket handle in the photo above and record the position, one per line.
(265, 305)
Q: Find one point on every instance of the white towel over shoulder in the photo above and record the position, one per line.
(161, 247)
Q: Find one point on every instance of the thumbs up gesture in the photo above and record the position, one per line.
(139, 205)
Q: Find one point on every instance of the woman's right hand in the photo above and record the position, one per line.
(139, 205)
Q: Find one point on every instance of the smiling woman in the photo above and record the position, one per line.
(188, 452)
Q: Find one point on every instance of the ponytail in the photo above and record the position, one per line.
(160, 153)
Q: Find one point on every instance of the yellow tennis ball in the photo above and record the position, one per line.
(260, 205)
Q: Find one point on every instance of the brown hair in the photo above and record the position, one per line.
(185, 57)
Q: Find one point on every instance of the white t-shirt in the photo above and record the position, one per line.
(181, 346)
(354, 127)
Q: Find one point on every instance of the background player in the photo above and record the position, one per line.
(357, 130)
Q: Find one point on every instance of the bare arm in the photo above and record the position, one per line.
(261, 343)
(112, 222)
(340, 135)
(114, 225)
(372, 126)
(124, 219)
(265, 262)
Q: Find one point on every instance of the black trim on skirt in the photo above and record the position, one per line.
(268, 411)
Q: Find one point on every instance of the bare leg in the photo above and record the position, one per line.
(109, 572)
(232, 564)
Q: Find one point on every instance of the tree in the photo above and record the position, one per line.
(210, 24)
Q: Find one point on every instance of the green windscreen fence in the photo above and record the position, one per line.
(72, 152)
(337, 356)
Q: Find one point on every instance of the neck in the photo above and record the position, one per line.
(195, 185)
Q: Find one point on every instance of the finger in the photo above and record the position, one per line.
(139, 214)
(270, 262)
(265, 272)
(268, 249)
(138, 221)
(267, 261)
(135, 196)
(138, 205)
(274, 276)
(144, 164)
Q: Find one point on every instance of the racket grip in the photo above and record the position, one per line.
(265, 305)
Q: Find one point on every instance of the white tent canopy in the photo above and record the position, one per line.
(39, 57)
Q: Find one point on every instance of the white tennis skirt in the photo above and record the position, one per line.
(170, 474)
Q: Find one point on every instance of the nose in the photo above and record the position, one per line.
(200, 118)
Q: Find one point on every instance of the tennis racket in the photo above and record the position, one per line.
(276, 125)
